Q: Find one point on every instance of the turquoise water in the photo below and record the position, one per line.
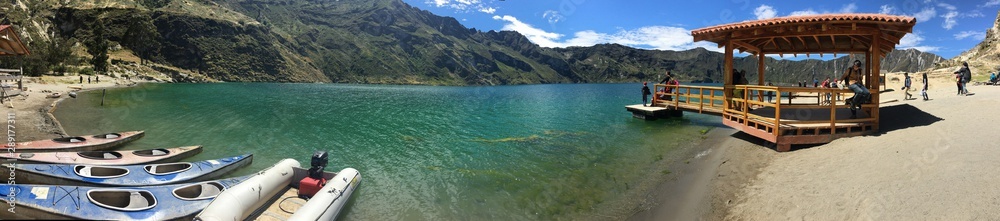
(425, 153)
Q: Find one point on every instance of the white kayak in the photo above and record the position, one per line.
(273, 194)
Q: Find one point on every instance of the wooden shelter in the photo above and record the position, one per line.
(10, 42)
(11, 45)
(784, 123)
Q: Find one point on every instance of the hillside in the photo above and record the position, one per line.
(983, 58)
(381, 41)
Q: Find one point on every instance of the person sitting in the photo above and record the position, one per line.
(993, 79)
(852, 78)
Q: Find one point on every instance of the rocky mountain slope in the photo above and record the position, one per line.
(983, 58)
(375, 41)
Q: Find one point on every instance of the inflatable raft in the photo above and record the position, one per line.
(275, 194)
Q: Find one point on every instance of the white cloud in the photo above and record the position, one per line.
(888, 9)
(488, 10)
(849, 8)
(991, 3)
(766, 11)
(949, 20)
(463, 5)
(972, 14)
(926, 14)
(553, 16)
(438, 3)
(975, 35)
(804, 12)
(913, 41)
(651, 37)
(947, 6)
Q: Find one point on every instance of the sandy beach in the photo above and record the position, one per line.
(931, 160)
(32, 108)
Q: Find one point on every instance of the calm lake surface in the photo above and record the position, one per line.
(425, 152)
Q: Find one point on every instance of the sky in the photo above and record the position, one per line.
(945, 28)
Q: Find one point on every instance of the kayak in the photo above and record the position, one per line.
(122, 157)
(169, 202)
(133, 175)
(81, 143)
(274, 194)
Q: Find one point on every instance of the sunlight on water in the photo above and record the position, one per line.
(426, 153)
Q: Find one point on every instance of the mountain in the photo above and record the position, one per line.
(984, 57)
(370, 41)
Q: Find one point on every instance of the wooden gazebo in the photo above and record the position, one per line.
(11, 45)
(786, 123)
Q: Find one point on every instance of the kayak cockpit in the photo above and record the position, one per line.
(199, 191)
(70, 139)
(167, 168)
(102, 172)
(151, 152)
(124, 200)
(108, 136)
(100, 155)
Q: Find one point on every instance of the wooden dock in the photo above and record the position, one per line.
(815, 115)
(651, 112)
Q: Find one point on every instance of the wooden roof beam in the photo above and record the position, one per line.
(789, 42)
(804, 45)
(5, 51)
(807, 34)
(818, 43)
(747, 46)
(817, 51)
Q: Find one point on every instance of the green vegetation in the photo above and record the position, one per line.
(361, 41)
(97, 46)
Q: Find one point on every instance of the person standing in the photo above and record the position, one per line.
(965, 75)
(853, 78)
(770, 94)
(924, 91)
(667, 78)
(81, 79)
(826, 84)
(645, 92)
(88, 79)
(906, 86)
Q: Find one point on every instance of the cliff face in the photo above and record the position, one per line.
(382, 41)
(985, 56)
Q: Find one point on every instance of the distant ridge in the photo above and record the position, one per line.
(388, 42)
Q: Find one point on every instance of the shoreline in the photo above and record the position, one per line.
(707, 183)
(34, 111)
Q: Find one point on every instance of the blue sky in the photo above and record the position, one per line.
(946, 28)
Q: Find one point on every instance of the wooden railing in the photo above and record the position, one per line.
(745, 98)
(700, 98)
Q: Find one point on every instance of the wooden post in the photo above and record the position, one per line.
(760, 68)
(876, 66)
(727, 73)
(760, 73)
(103, 94)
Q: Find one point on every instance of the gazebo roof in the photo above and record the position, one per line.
(828, 33)
(10, 43)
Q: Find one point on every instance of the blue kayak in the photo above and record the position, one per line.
(134, 175)
(169, 202)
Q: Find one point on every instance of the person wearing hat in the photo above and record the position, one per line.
(645, 92)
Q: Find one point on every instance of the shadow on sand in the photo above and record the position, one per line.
(892, 118)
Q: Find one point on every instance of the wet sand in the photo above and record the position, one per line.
(931, 160)
(32, 109)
